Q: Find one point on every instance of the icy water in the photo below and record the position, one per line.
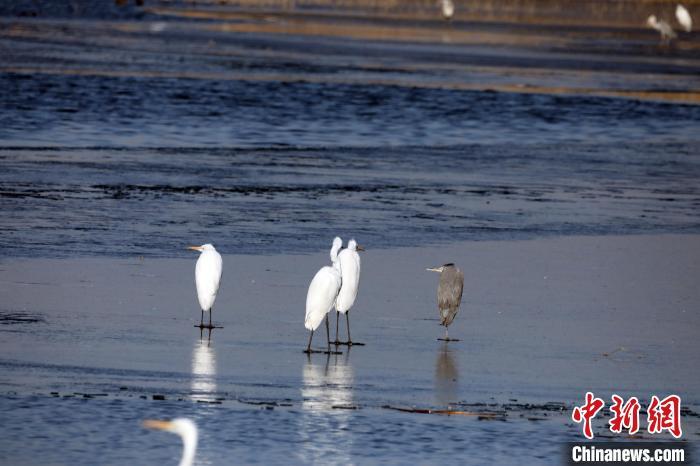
(128, 134)
(90, 347)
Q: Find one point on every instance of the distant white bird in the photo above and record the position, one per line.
(350, 273)
(663, 27)
(448, 9)
(322, 293)
(186, 429)
(207, 277)
(683, 17)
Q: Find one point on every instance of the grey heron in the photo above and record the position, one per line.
(449, 294)
(665, 30)
(323, 291)
(186, 429)
(350, 274)
(207, 277)
(684, 18)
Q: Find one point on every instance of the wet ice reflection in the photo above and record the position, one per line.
(446, 376)
(203, 382)
(327, 394)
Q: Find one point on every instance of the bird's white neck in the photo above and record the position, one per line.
(334, 252)
(189, 450)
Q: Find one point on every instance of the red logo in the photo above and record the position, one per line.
(661, 415)
(587, 412)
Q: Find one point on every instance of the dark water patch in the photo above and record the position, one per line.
(20, 318)
(131, 110)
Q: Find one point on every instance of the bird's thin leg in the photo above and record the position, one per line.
(328, 334)
(347, 321)
(201, 321)
(210, 326)
(447, 337)
(337, 318)
(308, 347)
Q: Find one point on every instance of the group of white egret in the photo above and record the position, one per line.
(665, 30)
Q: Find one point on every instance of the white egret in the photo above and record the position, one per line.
(350, 273)
(186, 429)
(448, 9)
(683, 17)
(207, 275)
(322, 294)
(663, 27)
(449, 294)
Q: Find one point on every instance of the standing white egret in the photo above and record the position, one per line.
(350, 272)
(448, 9)
(207, 277)
(663, 27)
(683, 17)
(186, 429)
(449, 294)
(322, 293)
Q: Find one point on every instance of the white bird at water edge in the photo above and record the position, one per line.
(322, 294)
(186, 429)
(663, 27)
(684, 18)
(350, 273)
(448, 9)
(207, 277)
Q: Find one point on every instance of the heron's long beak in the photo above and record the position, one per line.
(195, 248)
(158, 425)
(434, 269)
(360, 248)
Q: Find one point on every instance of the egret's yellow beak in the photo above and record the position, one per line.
(360, 248)
(435, 269)
(158, 425)
(195, 248)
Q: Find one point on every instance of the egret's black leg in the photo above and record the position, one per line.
(210, 326)
(201, 321)
(349, 342)
(308, 347)
(337, 318)
(328, 335)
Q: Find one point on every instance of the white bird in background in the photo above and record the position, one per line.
(350, 272)
(448, 9)
(683, 17)
(322, 294)
(663, 27)
(186, 429)
(207, 276)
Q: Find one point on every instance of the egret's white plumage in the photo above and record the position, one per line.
(665, 29)
(323, 290)
(683, 17)
(186, 429)
(207, 275)
(448, 8)
(349, 260)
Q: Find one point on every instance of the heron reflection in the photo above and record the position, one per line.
(327, 393)
(446, 377)
(203, 385)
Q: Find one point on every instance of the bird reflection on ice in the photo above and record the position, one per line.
(446, 376)
(203, 385)
(325, 421)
